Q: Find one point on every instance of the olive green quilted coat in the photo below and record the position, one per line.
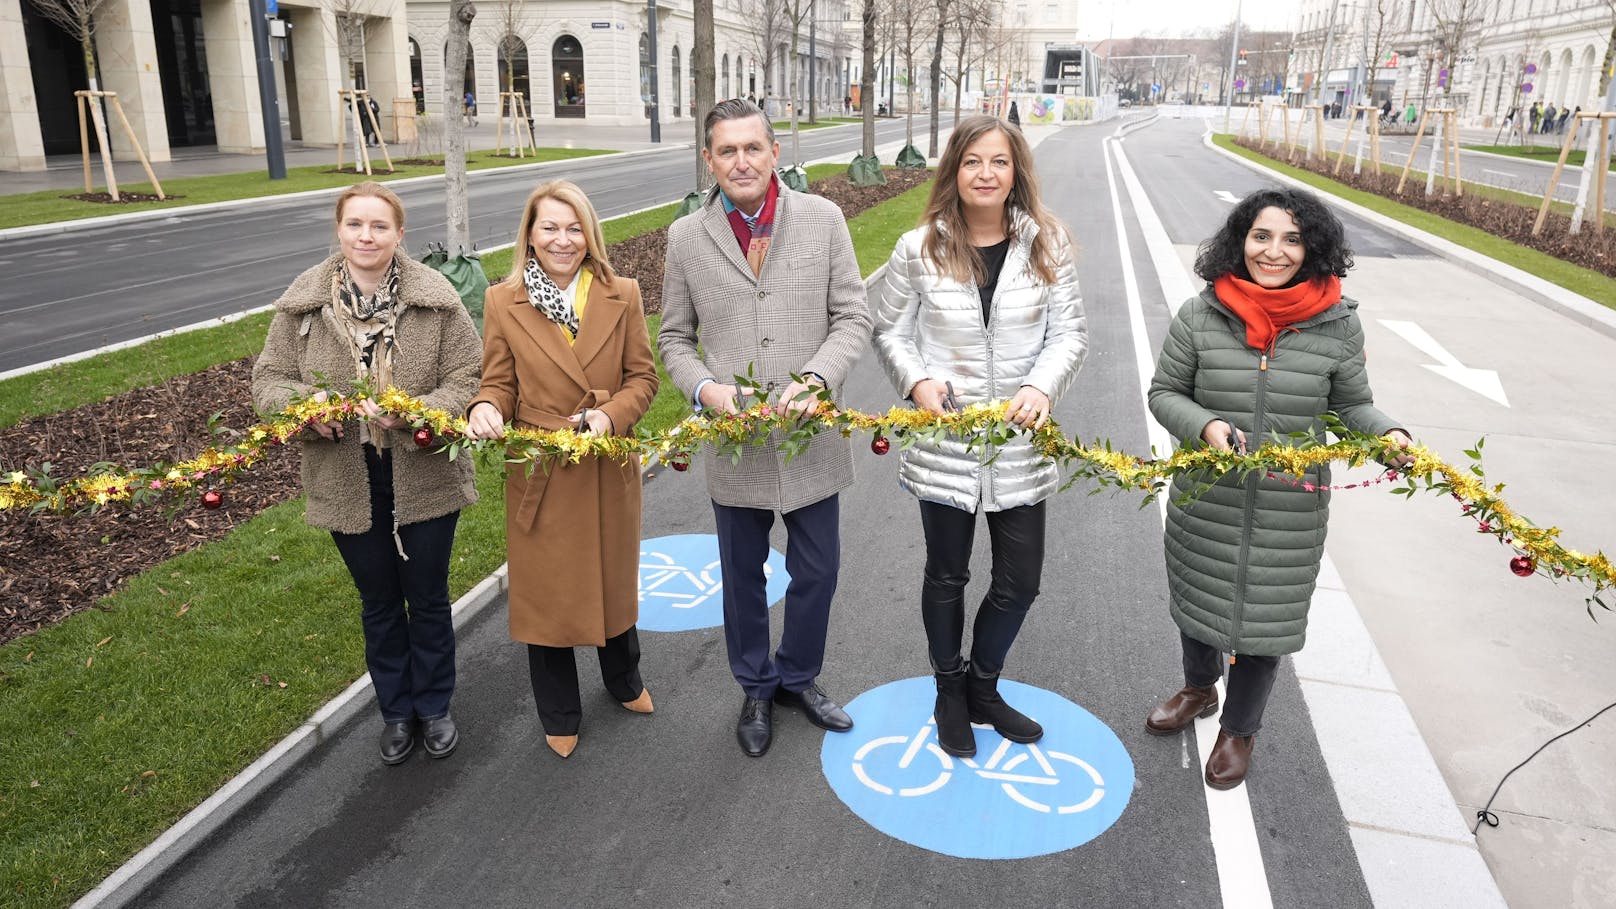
(1242, 558)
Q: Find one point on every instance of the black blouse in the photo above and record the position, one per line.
(993, 259)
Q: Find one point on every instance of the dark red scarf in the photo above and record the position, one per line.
(1267, 312)
(755, 241)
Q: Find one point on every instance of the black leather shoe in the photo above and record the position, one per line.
(398, 740)
(756, 729)
(439, 736)
(820, 710)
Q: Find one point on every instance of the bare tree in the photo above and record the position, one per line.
(768, 32)
(867, 77)
(457, 208)
(1456, 24)
(943, 10)
(1378, 18)
(77, 18)
(913, 26)
(705, 73)
(795, 12)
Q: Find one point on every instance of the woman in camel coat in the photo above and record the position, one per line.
(565, 347)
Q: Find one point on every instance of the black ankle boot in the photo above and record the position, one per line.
(953, 716)
(985, 706)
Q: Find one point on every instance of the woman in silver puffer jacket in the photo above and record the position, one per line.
(980, 303)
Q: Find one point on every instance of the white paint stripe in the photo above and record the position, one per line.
(1242, 878)
(1175, 281)
(225, 320)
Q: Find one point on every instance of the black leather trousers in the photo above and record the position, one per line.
(1017, 538)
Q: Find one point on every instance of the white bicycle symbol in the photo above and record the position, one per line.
(997, 767)
(663, 578)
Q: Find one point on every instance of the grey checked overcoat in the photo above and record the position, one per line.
(805, 313)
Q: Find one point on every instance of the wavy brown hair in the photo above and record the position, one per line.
(568, 193)
(948, 245)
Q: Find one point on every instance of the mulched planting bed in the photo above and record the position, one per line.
(1502, 219)
(52, 566)
(124, 198)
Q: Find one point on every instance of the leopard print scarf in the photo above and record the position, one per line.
(370, 323)
(547, 297)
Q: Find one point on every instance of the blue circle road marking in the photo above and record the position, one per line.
(1010, 801)
(681, 587)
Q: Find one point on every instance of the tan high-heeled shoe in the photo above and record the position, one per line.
(641, 704)
(562, 745)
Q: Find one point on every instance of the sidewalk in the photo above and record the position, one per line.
(66, 172)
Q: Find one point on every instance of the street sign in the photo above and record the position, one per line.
(269, 7)
(1531, 68)
(1239, 84)
(1526, 89)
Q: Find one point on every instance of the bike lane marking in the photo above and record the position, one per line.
(1023, 800)
(681, 587)
(1242, 876)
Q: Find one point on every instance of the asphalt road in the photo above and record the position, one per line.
(80, 291)
(666, 811)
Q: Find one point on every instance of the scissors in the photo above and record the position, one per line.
(950, 402)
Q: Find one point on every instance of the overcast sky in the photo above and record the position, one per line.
(1102, 19)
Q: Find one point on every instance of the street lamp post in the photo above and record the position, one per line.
(1234, 53)
(650, 29)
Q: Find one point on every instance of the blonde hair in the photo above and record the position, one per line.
(376, 190)
(567, 193)
(949, 249)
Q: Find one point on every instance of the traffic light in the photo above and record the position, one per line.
(1242, 60)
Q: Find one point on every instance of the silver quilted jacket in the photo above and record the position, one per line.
(930, 326)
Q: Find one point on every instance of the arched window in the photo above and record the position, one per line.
(645, 73)
(567, 76)
(724, 79)
(677, 83)
(740, 78)
(513, 74)
(417, 84)
(470, 83)
(692, 72)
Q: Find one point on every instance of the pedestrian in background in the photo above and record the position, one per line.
(980, 303)
(1014, 116)
(794, 317)
(1267, 347)
(566, 348)
(372, 315)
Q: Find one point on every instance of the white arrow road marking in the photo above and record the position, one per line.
(1226, 196)
(1481, 381)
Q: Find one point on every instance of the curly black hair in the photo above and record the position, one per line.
(1323, 237)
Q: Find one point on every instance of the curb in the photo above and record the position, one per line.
(1574, 306)
(78, 224)
(126, 883)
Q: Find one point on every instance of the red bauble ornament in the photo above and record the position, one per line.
(212, 499)
(1523, 566)
(423, 436)
(680, 463)
(880, 446)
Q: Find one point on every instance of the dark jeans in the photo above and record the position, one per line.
(1017, 537)
(1251, 680)
(554, 674)
(409, 649)
(813, 559)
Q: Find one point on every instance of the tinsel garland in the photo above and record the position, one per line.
(1538, 550)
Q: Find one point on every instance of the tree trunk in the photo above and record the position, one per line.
(937, 73)
(457, 209)
(959, 72)
(867, 79)
(98, 111)
(704, 75)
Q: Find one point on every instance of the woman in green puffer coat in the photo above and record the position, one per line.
(1265, 350)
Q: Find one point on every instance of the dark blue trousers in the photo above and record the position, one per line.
(409, 632)
(813, 558)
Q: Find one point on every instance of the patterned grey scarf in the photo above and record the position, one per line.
(547, 297)
(369, 322)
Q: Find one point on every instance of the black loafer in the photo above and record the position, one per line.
(756, 727)
(439, 736)
(398, 740)
(820, 710)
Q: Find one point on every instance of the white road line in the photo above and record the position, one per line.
(1242, 878)
(1501, 173)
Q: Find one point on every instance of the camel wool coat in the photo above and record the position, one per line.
(572, 531)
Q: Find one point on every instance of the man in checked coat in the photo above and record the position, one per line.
(765, 281)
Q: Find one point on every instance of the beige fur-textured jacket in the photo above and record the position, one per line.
(438, 360)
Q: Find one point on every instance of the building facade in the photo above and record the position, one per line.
(577, 59)
(1504, 54)
(185, 73)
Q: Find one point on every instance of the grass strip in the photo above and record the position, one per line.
(1584, 281)
(1549, 153)
(52, 205)
(121, 719)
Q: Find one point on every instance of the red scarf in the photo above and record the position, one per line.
(1267, 312)
(755, 241)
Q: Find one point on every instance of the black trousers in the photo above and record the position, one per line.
(409, 630)
(813, 559)
(1017, 537)
(554, 673)
(1251, 681)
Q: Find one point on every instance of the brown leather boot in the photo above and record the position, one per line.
(1180, 710)
(1231, 758)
